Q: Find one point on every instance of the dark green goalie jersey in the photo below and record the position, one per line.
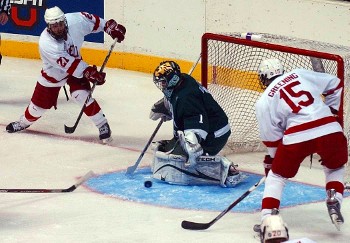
(194, 108)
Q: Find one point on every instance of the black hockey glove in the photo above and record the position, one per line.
(335, 114)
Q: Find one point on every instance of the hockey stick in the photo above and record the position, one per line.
(69, 189)
(72, 129)
(0, 50)
(131, 169)
(202, 226)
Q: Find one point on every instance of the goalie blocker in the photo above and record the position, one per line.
(208, 170)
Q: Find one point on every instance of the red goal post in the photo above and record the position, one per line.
(229, 70)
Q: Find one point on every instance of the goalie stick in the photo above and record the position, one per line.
(72, 129)
(69, 189)
(131, 169)
(202, 226)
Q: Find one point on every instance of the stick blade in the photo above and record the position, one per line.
(69, 129)
(85, 178)
(194, 226)
(80, 181)
(130, 170)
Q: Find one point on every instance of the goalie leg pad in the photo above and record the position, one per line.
(171, 168)
(230, 176)
(209, 170)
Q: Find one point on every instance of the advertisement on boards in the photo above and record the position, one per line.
(27, 16)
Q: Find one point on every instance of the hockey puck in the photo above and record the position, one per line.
(148, 184)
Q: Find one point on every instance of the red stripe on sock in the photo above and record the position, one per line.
(92, 109)
(29, 117)
(338, 186)
(270, 203)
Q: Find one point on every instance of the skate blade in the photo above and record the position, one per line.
(257, 232)
(107, 140)
(335, 221)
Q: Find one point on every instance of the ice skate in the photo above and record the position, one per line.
(333, 206)
(105, 133)
(270, 225)
(16, 127)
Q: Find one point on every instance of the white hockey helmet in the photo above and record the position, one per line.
(268, 70)
(54, 15)
(273, 229)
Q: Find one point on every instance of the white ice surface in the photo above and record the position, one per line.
(45, 157)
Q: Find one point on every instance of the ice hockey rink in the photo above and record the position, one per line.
(45, 157)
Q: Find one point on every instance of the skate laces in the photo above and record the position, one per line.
(104, 129)
(18, 126)
(105, 133)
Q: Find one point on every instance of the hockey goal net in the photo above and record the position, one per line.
(229, 71)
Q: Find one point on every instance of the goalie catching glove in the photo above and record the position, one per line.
(160, 109)
(189, 142)
(94, 76)
(115, 30)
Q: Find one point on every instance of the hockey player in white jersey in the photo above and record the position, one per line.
(295, 122)
(59, 46)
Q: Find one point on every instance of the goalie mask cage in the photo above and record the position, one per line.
(229, 71)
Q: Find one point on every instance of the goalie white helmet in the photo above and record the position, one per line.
(268, 70)
(56, 23)
(273, 229)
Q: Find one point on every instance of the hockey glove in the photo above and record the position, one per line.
(115, 30)
(335, 114)
(190, 144)
(267, 163)
(160, 109)
(94, 76)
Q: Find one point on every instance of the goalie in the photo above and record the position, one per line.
(201, 130)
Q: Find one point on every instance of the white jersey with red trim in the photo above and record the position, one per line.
(63, 58)
(292, 109)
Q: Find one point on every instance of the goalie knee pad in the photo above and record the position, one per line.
(190, 143)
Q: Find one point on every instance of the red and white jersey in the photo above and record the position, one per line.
(63, 58)
(292, 109)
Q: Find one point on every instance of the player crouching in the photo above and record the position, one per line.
(200, 128)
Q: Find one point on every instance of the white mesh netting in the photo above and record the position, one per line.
(229, 67)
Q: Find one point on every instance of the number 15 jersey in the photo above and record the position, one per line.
(295, 107)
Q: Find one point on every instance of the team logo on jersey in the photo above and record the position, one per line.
(73, 51)
(62, 61)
